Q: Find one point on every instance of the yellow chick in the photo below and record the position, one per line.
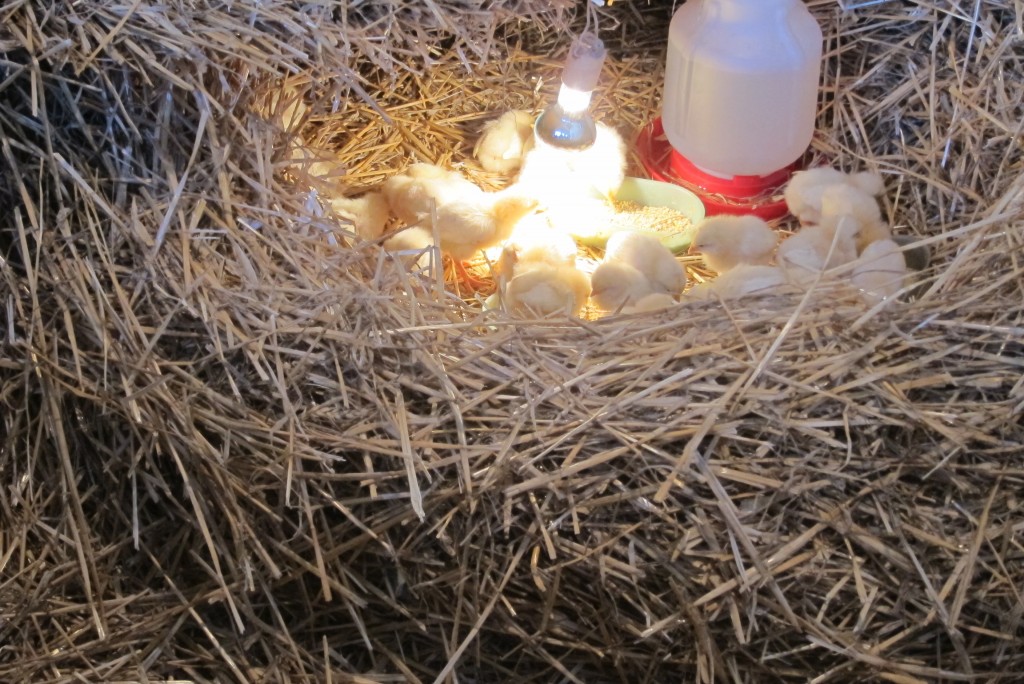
(315, 166)
(646, 254)
(412, 194)
(616, 283)
(727, 241)
(367, 214)
(581, 215)
(505, 141)
(547, 290)
(535, 242)
(287, 110)
(656, 301)
(839, 201)
(414, 246)
(556, 176)
(816, 248)
(464, 227)
(745, 280)
(880, 272)
(803, 192)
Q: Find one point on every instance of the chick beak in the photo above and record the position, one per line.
(692, 249)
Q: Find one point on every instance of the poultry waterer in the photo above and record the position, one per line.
(740, 102)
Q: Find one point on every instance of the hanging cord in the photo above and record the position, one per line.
(593, 16)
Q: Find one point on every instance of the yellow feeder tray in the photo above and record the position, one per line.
(651, 193)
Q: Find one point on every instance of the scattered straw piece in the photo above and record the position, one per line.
(239, 444)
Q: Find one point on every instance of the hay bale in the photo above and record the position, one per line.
(233, 451)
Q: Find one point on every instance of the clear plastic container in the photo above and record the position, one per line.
(741, 84)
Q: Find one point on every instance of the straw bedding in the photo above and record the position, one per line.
(235, 451)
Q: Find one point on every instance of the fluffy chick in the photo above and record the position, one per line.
(368, 214)
(615, 284)
(816, 248)
(646, 254)
(505, 141)
(547, 290)
(411, 194)
(839, 201)
(581, 216)
(656, 301)
(315, 166)
(727, 241)
(804, 190)
(413, 245)
(287, 110)
(880, 272)
(535, 242)
(743, 281)
(464, 227)
(556, 176)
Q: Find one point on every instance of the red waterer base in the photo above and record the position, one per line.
(758, 195)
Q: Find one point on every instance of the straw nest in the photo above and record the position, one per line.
(234, 451)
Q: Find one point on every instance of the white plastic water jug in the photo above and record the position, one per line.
(741, 84)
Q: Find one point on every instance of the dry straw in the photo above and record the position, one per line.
(234, 451)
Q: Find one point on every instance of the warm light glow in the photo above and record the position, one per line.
(573, 101)
(493, 254)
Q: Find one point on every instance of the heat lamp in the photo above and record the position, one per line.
(567, 123)
(740, 102)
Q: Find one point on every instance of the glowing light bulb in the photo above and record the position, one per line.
(573, 101)
(567, 123)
